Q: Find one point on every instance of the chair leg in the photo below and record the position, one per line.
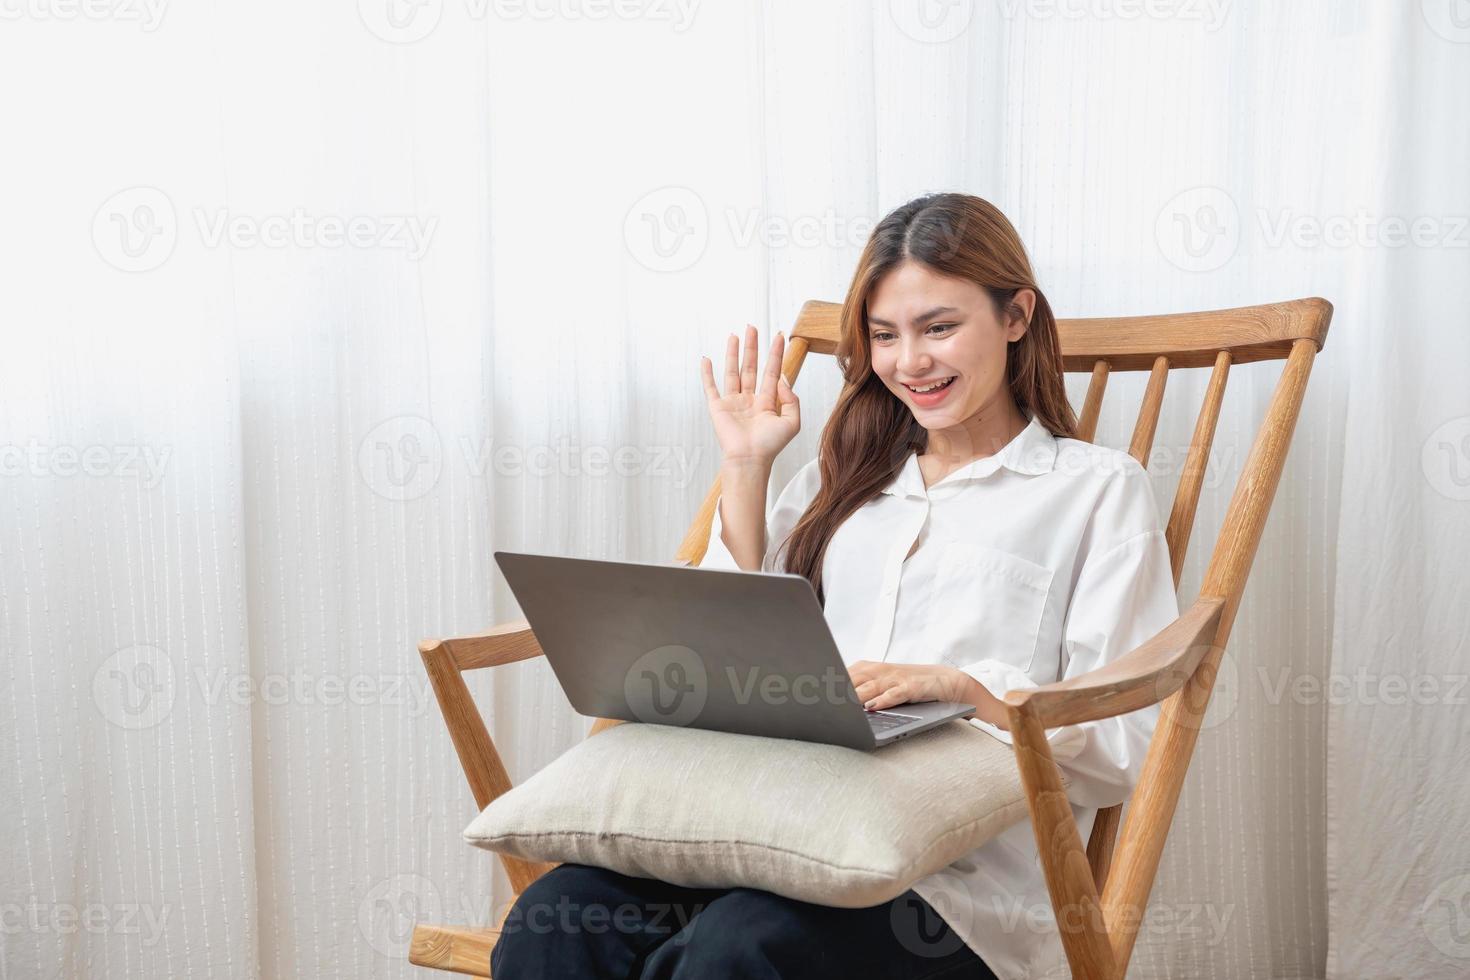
(1069, 876)
(1101, 841)
(457, 949)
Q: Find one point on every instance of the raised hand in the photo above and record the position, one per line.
(753, 423)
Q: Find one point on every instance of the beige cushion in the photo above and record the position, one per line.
(824, 824)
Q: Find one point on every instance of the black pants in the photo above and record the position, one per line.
(579, 923)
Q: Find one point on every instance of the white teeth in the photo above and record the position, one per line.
(935, 385)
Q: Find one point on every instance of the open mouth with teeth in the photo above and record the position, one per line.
(933, 386)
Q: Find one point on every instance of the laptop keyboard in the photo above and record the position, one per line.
(883, 721)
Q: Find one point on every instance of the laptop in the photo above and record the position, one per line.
(731, 651)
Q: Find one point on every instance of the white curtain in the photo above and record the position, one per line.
(308, 308)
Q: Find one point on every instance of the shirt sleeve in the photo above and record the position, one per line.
(1123, 597)
(790, 504)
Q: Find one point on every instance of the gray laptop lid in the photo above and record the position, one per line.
(733, 651)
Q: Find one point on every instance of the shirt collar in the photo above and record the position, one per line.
(1032, 452)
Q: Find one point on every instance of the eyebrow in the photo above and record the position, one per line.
(926, 315)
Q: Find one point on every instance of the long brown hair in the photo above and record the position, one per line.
(871, 433)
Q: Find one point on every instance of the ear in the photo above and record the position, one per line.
(1026, 300)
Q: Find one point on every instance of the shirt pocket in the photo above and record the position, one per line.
(990, 606)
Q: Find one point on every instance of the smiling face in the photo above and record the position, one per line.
(926, 329)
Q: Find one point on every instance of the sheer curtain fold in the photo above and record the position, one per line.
(308, 309)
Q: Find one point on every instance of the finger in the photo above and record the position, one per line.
(747, 369)
(790, 404)
(707, 376)
(732, 365)
(888, 698)
(771, 376)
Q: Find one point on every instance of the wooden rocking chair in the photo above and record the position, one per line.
(1103, 886)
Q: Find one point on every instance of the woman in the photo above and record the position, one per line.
(963, 544)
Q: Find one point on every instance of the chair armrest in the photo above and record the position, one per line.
(503, 644)
(1139, 678)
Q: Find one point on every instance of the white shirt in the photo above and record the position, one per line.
(1039, 563)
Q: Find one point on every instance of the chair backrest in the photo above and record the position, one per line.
(1292, 331)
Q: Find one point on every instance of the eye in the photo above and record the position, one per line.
(881, 335)
(943, 326)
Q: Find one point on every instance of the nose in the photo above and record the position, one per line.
(912, 360)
